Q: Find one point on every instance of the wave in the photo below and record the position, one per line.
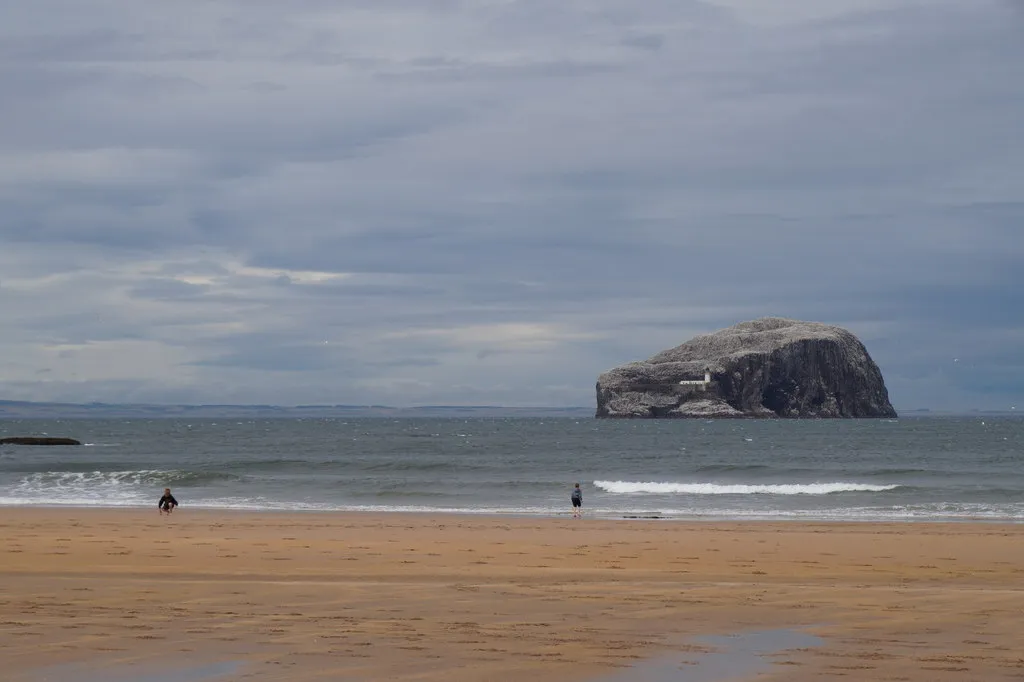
(274, 464)
(896, 471)
(101, 488)
(629, 487)
(412, 465)
(406, 465)
(410, 494)
(140, 477)
(730, 468)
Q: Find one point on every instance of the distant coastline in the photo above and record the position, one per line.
(15, 409)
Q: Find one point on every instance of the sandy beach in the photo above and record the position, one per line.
(201, 595)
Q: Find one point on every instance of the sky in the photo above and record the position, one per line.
(417, 202)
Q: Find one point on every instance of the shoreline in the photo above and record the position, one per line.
(557, 515)
(469, 597)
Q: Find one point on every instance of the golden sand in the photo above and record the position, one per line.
(409, 597)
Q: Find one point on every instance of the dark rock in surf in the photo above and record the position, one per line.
(771, 367)
(38, 441)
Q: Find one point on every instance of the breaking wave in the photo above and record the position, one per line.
(103, 488)
(134, 477)
(665, 488)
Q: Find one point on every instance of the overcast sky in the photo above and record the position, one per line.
(492, 201)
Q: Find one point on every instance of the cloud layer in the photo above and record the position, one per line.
(491, 201)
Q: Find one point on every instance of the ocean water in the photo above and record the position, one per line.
(933, 468)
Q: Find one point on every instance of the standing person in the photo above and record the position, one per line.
(577, 502)
(167, 503)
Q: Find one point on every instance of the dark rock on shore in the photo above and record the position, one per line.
(771, 367)
(38, 441)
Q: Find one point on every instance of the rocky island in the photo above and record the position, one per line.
(771, 367)
(37, 440)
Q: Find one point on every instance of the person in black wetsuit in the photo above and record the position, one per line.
(167, 503)
(577, 502)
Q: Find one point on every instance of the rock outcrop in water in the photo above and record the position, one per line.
(33, 440)
(772, 367)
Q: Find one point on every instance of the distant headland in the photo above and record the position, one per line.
(13, 409)
(771, 367)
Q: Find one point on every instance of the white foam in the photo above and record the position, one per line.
(90, 488)
(668, 488)
(81, 501)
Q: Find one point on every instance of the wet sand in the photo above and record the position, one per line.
(96, 594)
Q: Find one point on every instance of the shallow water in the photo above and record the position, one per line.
(136, 672)
(729, 658)
(732, 657)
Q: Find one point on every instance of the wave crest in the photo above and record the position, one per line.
(141, 477)
(666, 488)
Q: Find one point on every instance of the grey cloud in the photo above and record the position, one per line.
(406, 362)
(463, 71)
(646, 41)
(167, 289)
(204, 267)
(92, 45)
(288, 358)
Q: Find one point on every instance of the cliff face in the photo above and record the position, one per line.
(772, 367)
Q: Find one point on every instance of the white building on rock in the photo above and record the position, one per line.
(703, 383)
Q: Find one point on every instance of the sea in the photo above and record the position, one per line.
(907, 469)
